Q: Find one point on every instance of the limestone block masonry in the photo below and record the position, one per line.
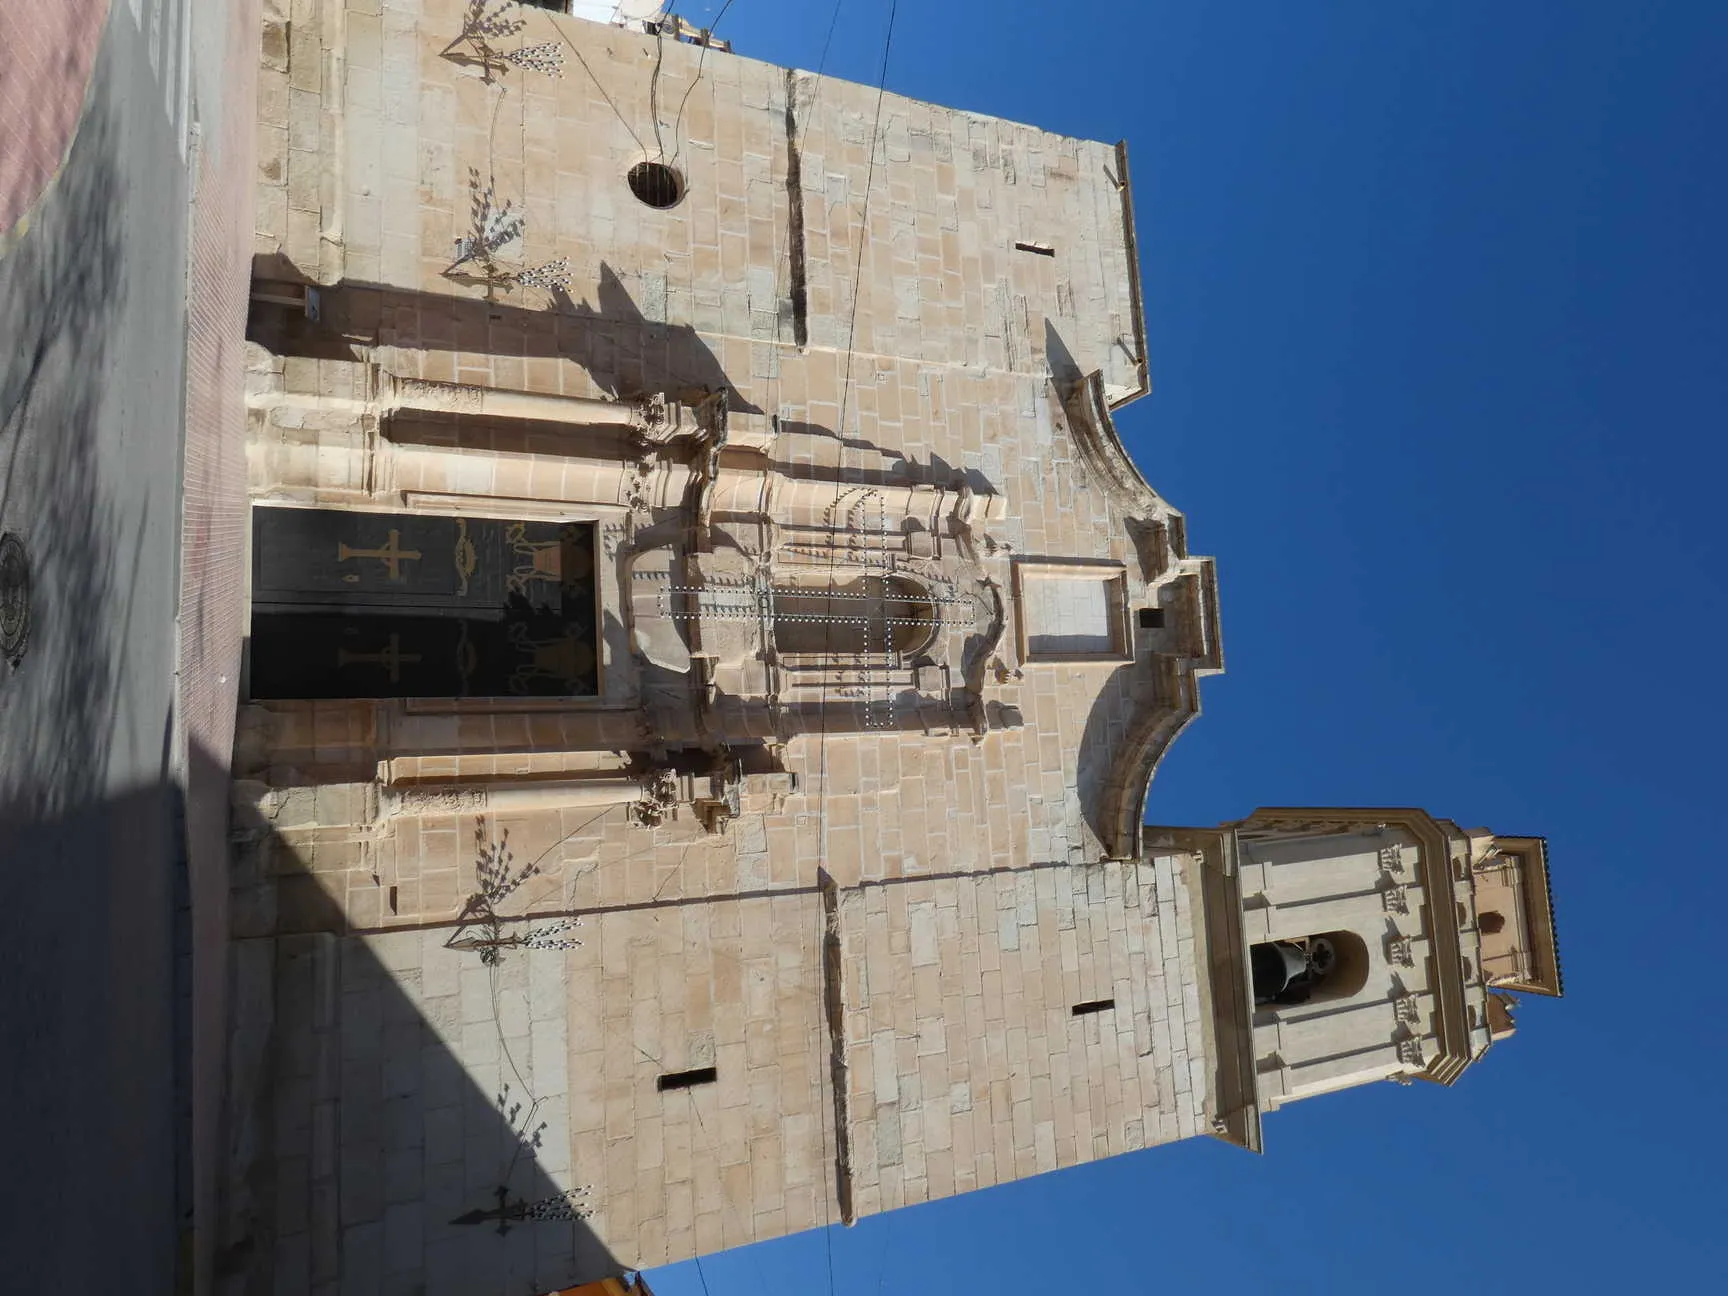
(709, 650)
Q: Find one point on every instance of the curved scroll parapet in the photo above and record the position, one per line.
(1193, 646)
(1169, 705)
(1101, 450)
(1123, 808)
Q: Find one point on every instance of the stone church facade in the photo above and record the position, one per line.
(709, 651)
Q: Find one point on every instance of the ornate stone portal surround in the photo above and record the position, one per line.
(772, 606)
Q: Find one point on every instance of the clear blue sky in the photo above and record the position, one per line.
(1435, 294)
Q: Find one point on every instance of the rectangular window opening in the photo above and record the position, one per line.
(1039, 249)
(1151, 618)
(1093, 1006)
(686, 1079)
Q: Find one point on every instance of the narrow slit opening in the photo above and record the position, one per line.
(686, 1079)
(1093, 1006)
(1038, 249)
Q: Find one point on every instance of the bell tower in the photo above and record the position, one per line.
(1382, 944)
(1372, 944)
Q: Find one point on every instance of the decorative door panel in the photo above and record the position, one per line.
(357, 605)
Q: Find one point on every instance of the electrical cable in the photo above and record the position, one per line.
(678, 144)
(839, 491)
(602, 89)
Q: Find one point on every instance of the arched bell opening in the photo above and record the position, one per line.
(1332, 965)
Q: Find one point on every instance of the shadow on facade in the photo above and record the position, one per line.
(1101, 743)
(622, 350)
(1064, 371)
(94, 969)
(509, 436)
(397, 1110)
(625, 353)
(898, 469)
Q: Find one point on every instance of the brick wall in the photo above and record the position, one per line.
(212, 546)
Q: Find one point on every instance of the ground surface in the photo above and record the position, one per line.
(49, 54)
(92, 390)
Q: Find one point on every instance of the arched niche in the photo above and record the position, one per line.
(1326, 966)
(837, 618)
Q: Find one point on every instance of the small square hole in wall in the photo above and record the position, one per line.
(686, 1079)
(1151, 618)
(1093, 1006)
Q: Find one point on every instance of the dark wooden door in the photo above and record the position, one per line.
(365, 605)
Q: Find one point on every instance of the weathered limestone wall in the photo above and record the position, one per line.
(967, 1066)
(949, 365)
(867, 309)
(731, 984)
(368, 85)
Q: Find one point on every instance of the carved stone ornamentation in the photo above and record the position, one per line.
(425, 801)
(1400, 951)
(455, 398)
(655, 418)
(636, 488)
(659, 795)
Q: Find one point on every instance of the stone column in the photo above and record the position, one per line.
(653, 417)
(383, 393)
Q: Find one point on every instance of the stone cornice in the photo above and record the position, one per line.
(1131, 246)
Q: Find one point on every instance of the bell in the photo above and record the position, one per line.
(1275, 965)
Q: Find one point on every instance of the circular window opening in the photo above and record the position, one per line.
(14, 598)
(656, 184)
